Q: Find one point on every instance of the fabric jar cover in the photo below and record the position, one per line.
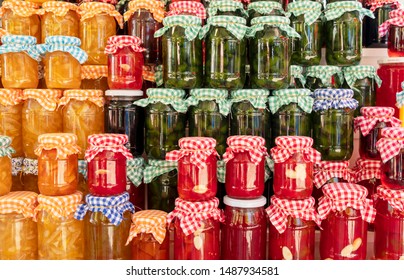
(187, 7)
(134, 170)
(65, 144)
(226, 6)
(156, 168)
(5, 149)
(324, 73)
(118, 42)
(283, 23)
(19, 202)
(391, 143)
(396, 18)
(93, 72)
(155, 7)
(311, 10)
(359, 72)
(326, 170)
(235, 25)
(295, 71)
(107, 142)
(374, 4)
(340, 196)
(59, 207)
(281, 209)
(149, 221)
(366, 169)
(206, 94)
(20, 43)
(16, 166)
(265, 7)
(400, 97)
(393, 197)
(92, 95)
(287, 146)
(337, 9)
(47, 98)
(257, 97)
(112, 2)
(30, 166)
(67, 44)
(10, 97)
(58, 8)
(20, 8)
(167, 96)
(253, 145)
(302, 97)
(325, 99)
(373, 115)
(192, 214)
(91, 9)
(191, 24)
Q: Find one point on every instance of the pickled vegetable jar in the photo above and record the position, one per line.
(83, 114)
(196, 229)
(5, 165)
(207, 115)
(149, 236)
(94, 77)
(14, 52)
(136, 188)
(98, 22)
(345, 212)
(106, 156)
(30, 175)
(264, 8)
(297, 79)
(122, 116)
(226, 8)
(18, 231)
(245, 166)
(323, 76)
(191, 8)
(343, 29)
(393, 28)
(60, 234)
(269, 52)
(292, 229)
(60, 18)
(333, 123)
(39, 115)
(182, 52)
(125, 62)
(197, 166)
(366, 173)
(245, 229)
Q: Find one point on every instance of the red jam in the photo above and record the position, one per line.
(395, 43)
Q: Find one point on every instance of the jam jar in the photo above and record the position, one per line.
(197, 165)
(264, 8)
(191, 8)
(345, 213)
(196, 229)
(5, 165)
(94, 77)
(323, 76)
(292, 229)
(227, 8)
(297, 79)
(393, 28)
(366, 172)
(244, 230)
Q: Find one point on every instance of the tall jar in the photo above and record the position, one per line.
(297, 79)
(333, 123)
(227, 8)
(292, 229)
(264, 8)
(345, 213)
(196, 229)
(269, 52)
(98, 22)
(5, 165)
(107, 222)
(323, 76)
(18, 231)
(60, 235)
(94, 77)
(14, 52)
(366, 173)
(136, 188)
(393, 28)
(245, 229)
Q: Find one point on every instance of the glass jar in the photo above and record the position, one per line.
(227, 8)
(135, 187)
(393, 29)
(60, 235)
(381, 10)
(297, 80)
(367, 173)
(30, 175)
(94, 77)
(323, 76)
(264, 8)
(83, 115)
(344, 234)
(18, 231)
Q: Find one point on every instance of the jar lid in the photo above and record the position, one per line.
(92, 72)
(257, 97)
(167, 96)
(245, 141)
(377, 112)
(294, 142)
(187, 7)
(90, 9)
(391, 142)
(287, 146)
(393, 132)
(208, 93)
(156, 7)
(317, 69)
(21, 8)
(22, 202)
(10, 97)
(396, 13)
(165, 93)
(270, 20)
(236, 26)
(59, 206)
(226, 6)
(253, 145)
(366, 169)
(359, 72)
(328, 98)
(391, 60)
(20, 43)
(64, 143)
(47, 98)
(326, 170)
(5, 149)
(394, 197)
(374, 4)
(124, 92)
(337, 9)
(149, 221)
(118, 42)
(107, 142)
(197, 143)
(265, 5)
(58, 7)
(67, 44)
(345, 191)
(19, 39)
(244, 203)
(92, 95)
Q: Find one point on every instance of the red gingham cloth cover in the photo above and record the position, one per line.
(339, 196)
(396, 19)
(372, 115)
(280, 209)
(287, 146)
(187, 7)
(366, 169)
(191, 214)
(117, 42)
(198, 148)
(326, 170)
(391, 142)
(254, 145)
(107, 142)
(394, 197)
(374, 4)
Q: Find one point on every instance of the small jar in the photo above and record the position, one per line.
(393, 29)
(197, 166)
(345, 212)
(297, 79)
(292, 229)
(265, 8)
(60, 234)
(245, 166)
(323, 76)
(57, 164)
(18, 231)
(107, 222)
(245, 229)
(196, 229)
(30, 175)
(136, 188)
(5, 165)
(367, 173)
(187, 8)
(94, 77)
(106, 156)
(148, 235)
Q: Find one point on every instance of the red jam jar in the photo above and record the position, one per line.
(245, 229)
(345, 212)
(367, 173)
(294, 160)
(292, 229)
(197, 168)
(370, 124)
(245, 166)
(125, 62)
(196, 229)
(394, 26)
(106, 156)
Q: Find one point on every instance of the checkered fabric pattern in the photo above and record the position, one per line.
(167, 96)
(10, 97)
(374, 115)
(20, 43)
(158, 75)
(65, 144)
(5, 149)
(325, 99)
(235, 25)
(226, 6)
(324, 73)
(83, 168)
(396, 13)
(281, 209)
(91, 9)
(118, 42)
(20, 8)
(265, 7)
(394, 197)
(283, 97)
(112, 2)
(134, 170)
(221, 171)
(203, 94)
(340, 196)
(287, 146)
(113, 207)
(400, 97)
(58, 8)
(366, 169)
(156, 168)
(311, 10)
(326, 170)
(30, 166)
(149, 221)
(359, 72)
(391, 142)
(16, 166)
(337, 9)
(59, 206)
(67, 44)
(192, 214)
(47, 98)
(19, 202)
(191, 24)
(374, 4)
(92, 95)
(107, 142)
(187, 7)
(254, 145)
(155, 7)
(295, 71)
(93, 72)
(148, 74)
(259, 23)
(396, 18)
(257, 97)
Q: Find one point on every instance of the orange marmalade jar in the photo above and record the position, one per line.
(5, 165)
(94, 77)
(18, 231)
(57, 163)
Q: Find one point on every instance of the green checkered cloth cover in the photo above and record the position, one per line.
(310, 9)
(191, 24)
(259, 23)
(167, 96)
(270, 164)
(134, 170)
(265, 7)
(156, 168)
(359, 72)
(204, 94)
(235, 25)
(5, 149)
(324, 73)
(158, 75)
(337, 9)
(83, 168)
(257, 97)
(226, 6)
(302, 97)
(221, 171)
(296, 71)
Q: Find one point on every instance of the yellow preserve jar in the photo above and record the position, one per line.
(94, 77)
(18, 231)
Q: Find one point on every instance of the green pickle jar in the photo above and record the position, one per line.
(323, 76)
(265, 8)
(226, 8)
(269, 52)
(297, 79)
(333, 115)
